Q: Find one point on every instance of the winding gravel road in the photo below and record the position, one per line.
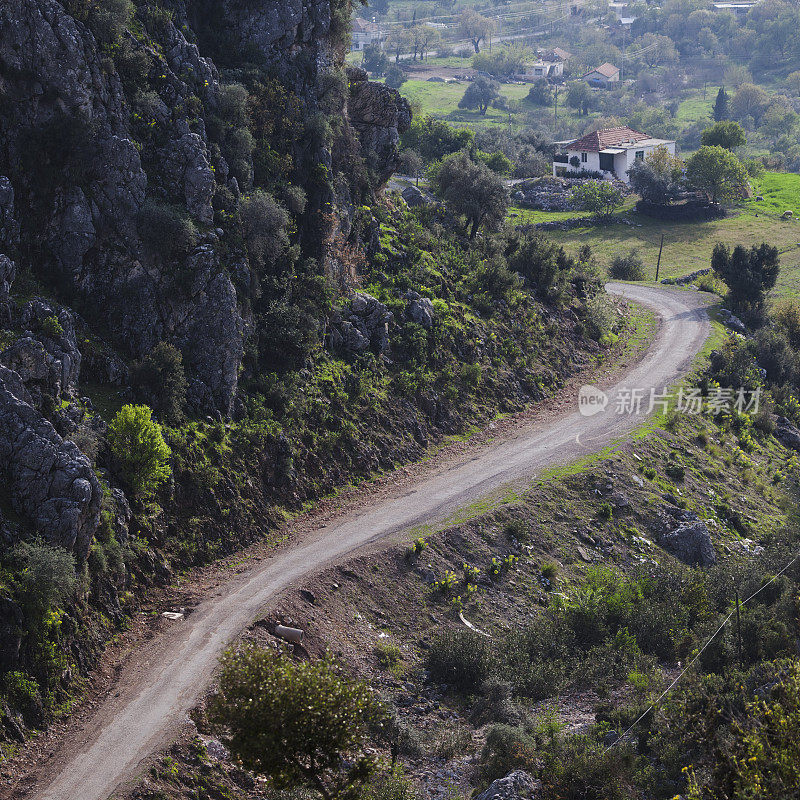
(107, 749)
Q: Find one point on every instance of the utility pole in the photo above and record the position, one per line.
(738, 627)
(555, 105)
(622, 68)
(658, 265)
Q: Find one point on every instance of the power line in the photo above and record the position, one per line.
(699, 653)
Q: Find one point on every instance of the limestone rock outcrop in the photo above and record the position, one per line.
(52, 483)
(379, 115)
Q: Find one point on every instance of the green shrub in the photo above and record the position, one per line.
(160, 381)
(461, 659)
(518, 529)
(675, 471)
(45, 575)
(606, 511)
(627, 267)
(388, 654)
(52, 327)
(549, 570)
(264, 227)
(138, 444)
(167, 230)
(294, 722)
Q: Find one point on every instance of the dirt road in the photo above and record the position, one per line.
(166, 681)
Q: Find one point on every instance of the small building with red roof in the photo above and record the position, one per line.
(608, 151)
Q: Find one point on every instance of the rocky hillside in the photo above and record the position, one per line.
(192, 223)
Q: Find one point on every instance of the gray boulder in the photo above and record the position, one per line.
(683, 534)
(122, 515)
(379, 115)
(39, 371)
(52, 483)
(787, 434)
(9, 227)
(63, 345)
(413, 196)
(419, 309)
(364, 326)
(8, 271)
(514, 786)
(186, 170)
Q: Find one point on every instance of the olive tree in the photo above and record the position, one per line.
(716, 172)
(299, 723)
(471, 190)
(480, 94)
(601, 197)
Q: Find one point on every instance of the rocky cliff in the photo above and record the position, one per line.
(125, 164)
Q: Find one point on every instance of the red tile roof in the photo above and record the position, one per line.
(609, 70)
(607, 137)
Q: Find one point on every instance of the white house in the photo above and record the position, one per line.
(602, 75)
(365, 33)
(539, 69)
(739, 10)
(610, 151)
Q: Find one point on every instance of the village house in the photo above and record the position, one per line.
(610, 151)
(365, 33)
(602, 76)
(537, 70)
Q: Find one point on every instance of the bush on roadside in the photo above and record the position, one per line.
(628, 267)
(460, 659)
(138, 445)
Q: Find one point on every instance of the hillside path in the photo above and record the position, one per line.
(160, 683)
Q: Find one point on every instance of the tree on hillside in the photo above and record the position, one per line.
(299, 723)
(748, 274)
(540, 93)
(434, 139)
(160, 381)
(398, 42)
(655, 49)
(749, 101)
(725, 133)
(717, 172)
(475, 27)
(138, 445)
(504, 62)
(375, 60)
(471, 190)
(536, 258)
(721, 110)
(395, 77)
(579, 96)
(480, 94)
(600, 197)
(410, 163)
(658, 178)
(428, 38)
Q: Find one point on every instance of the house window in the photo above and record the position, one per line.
(640, 155)
(584, 157)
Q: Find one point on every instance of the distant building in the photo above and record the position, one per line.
(554, 54)
(540, 69)
(737, 9)
(365, 33)
(602, 75)
(610, 151)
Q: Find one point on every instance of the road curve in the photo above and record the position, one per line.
(124, 730)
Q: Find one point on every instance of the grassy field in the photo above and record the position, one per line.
(695, 109)
(688, 246)
(441, 100)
